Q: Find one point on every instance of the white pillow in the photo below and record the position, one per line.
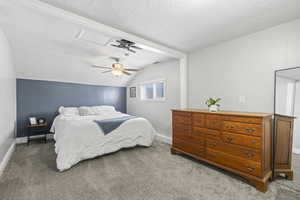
(86, 111)
(68, 111)
(103, 109)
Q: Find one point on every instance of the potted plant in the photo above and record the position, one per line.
(213, 104)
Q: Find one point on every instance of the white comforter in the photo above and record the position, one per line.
(79, 137)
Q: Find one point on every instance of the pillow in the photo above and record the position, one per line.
(103, 109)
(68, 111)
(86, 111)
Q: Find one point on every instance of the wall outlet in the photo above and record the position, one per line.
(242, 99)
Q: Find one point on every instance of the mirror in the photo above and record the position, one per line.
(286, 120)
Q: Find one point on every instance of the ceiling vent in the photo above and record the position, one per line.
(93, 37)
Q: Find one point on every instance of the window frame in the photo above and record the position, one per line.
(154, 99)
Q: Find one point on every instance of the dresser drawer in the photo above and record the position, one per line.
(181, 113)
(243, 140)
(244, 128)
(213, 121)
(181, 131)
(252, 120)
(234, 162)
(199, 120)
(189, 147)
(178, 119)
(182, 127)
(246, 153)
(198, 133)
(212, 134)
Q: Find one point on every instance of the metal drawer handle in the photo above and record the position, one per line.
(250, 167)
(212, 144)
(229, 139)
(211, 134)
(253, 141)
(249, 154)
(230, 127)
(250, 130)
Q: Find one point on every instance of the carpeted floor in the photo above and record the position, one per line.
(132, 174)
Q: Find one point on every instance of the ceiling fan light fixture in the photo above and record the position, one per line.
(116, 72)
(117, 66)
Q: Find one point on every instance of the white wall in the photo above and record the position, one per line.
(7, 96)
(285, 96)
(297, 120)
(159, 113)
(243, 67)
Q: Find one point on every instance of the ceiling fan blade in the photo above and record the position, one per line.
(101, 67)
(124, 72)
(115, 59)
(133, 70)
(106, 71)
(131, 50)
(136, 47)
(114, 45)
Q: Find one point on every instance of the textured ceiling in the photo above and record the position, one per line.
(45, 47)
(185, 24)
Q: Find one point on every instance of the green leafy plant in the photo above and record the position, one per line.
(213, 102)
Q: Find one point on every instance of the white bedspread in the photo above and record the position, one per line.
(79, 137)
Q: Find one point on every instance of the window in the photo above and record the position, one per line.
(153, 90)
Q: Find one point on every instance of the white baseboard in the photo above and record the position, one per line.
(23, 140)
(6, 158)
(296, 151)
(164, 138)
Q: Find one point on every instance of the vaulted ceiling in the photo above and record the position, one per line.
(48, 47)
(186, 24)
(45, 46)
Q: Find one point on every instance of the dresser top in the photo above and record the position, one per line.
(236, 113)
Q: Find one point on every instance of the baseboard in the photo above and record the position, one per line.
(164, 138)
(296, 151)
(23, 140)
(7, 157)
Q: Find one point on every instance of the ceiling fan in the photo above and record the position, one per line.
(126, 44)
(117, 68)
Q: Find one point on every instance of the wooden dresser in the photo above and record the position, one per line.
(234, 141)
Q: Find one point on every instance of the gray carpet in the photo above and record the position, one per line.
(132, 174)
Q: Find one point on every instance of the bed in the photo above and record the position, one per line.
(78, 136)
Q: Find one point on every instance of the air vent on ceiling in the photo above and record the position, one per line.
(93, 37)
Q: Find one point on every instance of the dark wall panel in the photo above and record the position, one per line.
(43, 98)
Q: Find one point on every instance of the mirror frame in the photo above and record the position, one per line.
(274, 112)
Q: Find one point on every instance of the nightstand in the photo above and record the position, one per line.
(33, 130)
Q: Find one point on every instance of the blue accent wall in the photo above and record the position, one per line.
(37, 98)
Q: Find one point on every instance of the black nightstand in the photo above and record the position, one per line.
(38, 128)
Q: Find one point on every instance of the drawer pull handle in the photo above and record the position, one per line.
(229, 139)
(211, 134)
(212, 144)
(253, 141)
(249, 154)
(250, 167)
(229, 127)
(250, 130)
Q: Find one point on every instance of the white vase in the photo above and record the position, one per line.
(213, 108)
